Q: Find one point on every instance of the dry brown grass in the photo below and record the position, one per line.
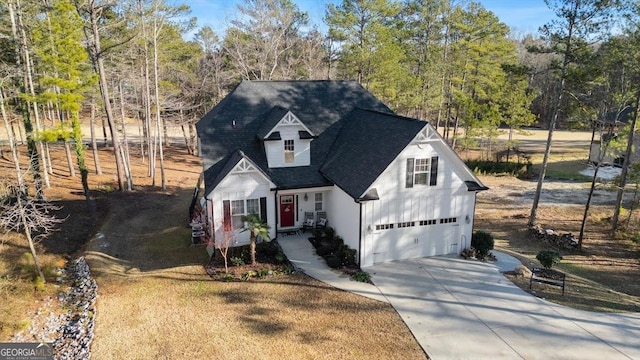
(278, 318)
(156, 300)
(602, 276)
(19, 292)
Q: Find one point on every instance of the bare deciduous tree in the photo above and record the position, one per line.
(22, 213)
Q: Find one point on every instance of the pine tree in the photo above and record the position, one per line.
(68, 75)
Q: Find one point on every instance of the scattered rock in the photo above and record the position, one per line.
(563, 240)
(70, 331)
(522, 270)
(77, 334)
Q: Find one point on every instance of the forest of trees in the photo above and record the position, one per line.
(450, 62)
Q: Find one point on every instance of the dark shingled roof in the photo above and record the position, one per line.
(368, 143)
(474, 186)
(271, 119)
(223, 167)
(254, 106)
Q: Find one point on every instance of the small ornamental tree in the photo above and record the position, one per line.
(257, 227)
(223, 246)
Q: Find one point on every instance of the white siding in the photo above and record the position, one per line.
(398, 205)
(239, 187)
(343, 214)
(275, 148)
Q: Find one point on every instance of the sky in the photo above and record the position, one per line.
(522, 16)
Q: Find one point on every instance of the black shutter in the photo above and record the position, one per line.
(263, 209)
(410, 172)
(226, 210)
(433, 177)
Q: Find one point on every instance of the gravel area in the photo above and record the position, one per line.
(70, 330)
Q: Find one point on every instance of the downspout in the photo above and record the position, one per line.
(360, 236)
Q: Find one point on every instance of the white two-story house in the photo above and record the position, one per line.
(390, 186)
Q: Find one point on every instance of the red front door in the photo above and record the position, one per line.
(286, 210)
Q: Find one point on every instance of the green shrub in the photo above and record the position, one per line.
(346, 255)
(237, 261)
(491, 167)
(248, 275)
(333, 261)
(228, 277)
(267, 248)
(317, 234)
(483, 242)
(362, 276)
(281, 258)
(289, 269)
(337, 242)
(262, 273)
(330, 233)
(324, 250)
(548, 258)
(39, 283)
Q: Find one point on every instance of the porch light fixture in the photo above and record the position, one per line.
(306, 197)
(467, 219)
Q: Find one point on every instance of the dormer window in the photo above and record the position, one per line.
(289, 154)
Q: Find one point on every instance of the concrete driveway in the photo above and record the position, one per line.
(460, 309)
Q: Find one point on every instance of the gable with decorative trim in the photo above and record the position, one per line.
(288, 143)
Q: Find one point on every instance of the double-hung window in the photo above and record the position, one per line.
(318, 199)
(289, 151)
(237, 212)
(422, 171)
(234, 210)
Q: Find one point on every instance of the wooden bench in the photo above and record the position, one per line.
(548, 277)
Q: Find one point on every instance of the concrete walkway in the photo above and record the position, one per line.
(459, 309)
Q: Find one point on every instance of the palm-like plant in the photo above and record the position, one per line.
(257, 227)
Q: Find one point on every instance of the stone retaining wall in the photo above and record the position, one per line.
(561, 240)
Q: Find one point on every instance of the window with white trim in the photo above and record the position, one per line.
(422, 171)
(240, 208)
(237, 212)
(318, 197)
(289, 151)
(253, 206)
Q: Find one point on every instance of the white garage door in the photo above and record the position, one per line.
(415, 241)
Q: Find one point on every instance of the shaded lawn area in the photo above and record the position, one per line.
(279, 318)
(156, 301)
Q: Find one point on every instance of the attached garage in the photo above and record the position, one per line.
(416, 239)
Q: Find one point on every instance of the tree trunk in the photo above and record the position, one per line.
(97, 55)
(22, 58)
(12, 145)
(27, 232)
(625, 169)
(554, 119)
(252, 247)
(125, 156)
(80, 157)
(94, 143)
(159, 122)
(67, 151)
(603, 150)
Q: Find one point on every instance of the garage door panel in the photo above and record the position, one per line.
(400, 244)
